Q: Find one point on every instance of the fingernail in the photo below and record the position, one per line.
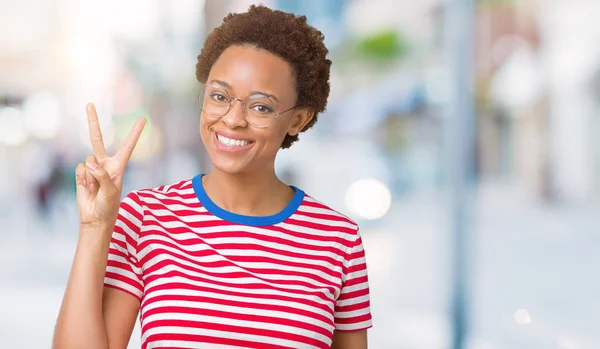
(91, 166)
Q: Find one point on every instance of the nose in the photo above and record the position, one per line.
(235, 117)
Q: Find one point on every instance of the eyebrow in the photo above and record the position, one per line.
(227, 85)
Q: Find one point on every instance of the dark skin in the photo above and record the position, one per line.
(245, 182)
(241, 182)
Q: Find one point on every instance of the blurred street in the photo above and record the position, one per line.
(403, 126)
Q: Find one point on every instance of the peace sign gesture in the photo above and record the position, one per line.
(100, 179)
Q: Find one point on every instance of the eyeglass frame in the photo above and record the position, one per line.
(232, 101)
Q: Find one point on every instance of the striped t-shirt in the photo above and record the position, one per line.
(209, 278)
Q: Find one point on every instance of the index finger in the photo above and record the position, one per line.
(95, 132)
(124, 154)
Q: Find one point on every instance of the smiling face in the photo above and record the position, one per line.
(234, 145)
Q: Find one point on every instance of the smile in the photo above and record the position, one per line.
(230, 142)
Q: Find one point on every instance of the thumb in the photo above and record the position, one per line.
(103, 178)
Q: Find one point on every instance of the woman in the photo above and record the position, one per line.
(234, 258)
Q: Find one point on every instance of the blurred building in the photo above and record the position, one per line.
(380, 147)
(537, 115)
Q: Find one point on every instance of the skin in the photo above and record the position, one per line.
(245, 182)
(92, 316)
(242, 182)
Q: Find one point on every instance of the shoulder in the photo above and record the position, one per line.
(316, 211)
(178, 191)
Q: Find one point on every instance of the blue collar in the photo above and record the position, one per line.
(279, 217)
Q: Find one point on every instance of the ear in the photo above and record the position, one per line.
(300, 119)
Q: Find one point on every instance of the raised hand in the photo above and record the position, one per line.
(100, 178)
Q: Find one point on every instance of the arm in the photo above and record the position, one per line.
(353, 308)
(91, 317)
(349, 340)
(80, 322)
(120, 311)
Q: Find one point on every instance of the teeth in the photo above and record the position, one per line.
(231, 142)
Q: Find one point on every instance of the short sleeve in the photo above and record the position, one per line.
(353, 306)
(123, 269)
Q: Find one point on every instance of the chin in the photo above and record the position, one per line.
(229, 167)
(230, 163)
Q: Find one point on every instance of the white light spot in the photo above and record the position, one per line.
(522, 317)
(12, 127)
(42, 115)
(368, 198)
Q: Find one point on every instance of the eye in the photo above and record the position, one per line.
(262, 109)
(219, 97)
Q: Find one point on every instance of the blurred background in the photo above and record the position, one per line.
(502, 230)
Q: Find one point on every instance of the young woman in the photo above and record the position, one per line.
(233, 258)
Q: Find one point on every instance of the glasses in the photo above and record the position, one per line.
(259, 110)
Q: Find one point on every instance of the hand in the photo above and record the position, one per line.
(100, 179)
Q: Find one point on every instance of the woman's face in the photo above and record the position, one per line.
(233, 145)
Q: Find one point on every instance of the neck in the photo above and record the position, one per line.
(250, 194)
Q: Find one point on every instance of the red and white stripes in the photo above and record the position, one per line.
(205, 282)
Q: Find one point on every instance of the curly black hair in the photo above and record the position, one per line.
(285, 35)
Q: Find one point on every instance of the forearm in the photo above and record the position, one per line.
(350, 340)
(80, 322)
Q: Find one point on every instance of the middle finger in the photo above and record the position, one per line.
(92, 183)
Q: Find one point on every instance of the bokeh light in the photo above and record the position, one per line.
(368, 198)
(13, 131)
(522, 317)
(42, 114)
